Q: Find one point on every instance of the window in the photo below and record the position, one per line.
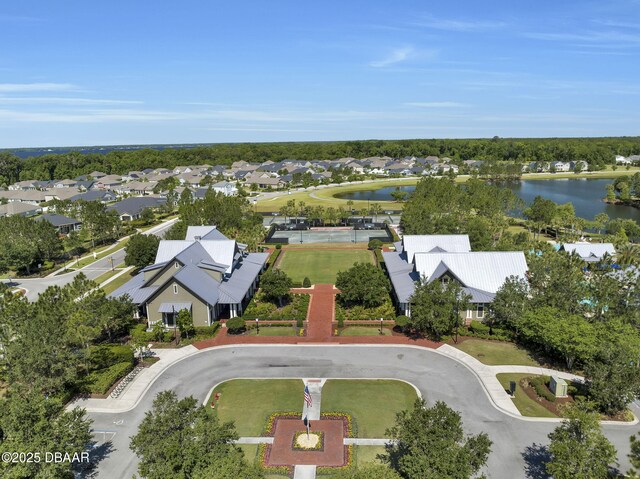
(169, 319)
(469, 314)
(175, 289)
(480, 311)
(445, 279)
(177, 265)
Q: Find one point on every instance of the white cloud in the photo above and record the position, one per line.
(437, 104)
(64, 101)
(31, 87)
(396, 56)
(460, 25)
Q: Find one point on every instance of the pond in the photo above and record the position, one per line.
(585, 194)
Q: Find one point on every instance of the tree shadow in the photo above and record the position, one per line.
(535, 457)
(97, 452)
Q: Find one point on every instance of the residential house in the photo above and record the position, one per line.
(60, 194)
(63, 224)
(209, 275)
(103, 196)
(130, 209)
(142, 188)
(96, 175)
(264, 180)
(225, 187)
(590, 252)
(108, 182)
(17, 208)
(24, 185)
(65, 184)
(449, 258)
(32, 197)
(560, 166)
(621, 160)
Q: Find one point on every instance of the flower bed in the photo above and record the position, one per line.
(264, 451)
(296, 309)
(359, 313)
(319, 446)
(272, 420)
(348, 462)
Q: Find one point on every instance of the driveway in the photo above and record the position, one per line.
(436, 376)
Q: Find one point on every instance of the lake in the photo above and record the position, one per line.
(585, 194)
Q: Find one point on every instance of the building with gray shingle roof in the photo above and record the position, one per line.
(207, 273)
(63, 224)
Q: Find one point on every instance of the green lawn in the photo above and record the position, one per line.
(496, 353)
(119, 281)
(526, 405)
(274, 331)
(105, 276)
(367, 454)
(249, 402)
(364, 331)
(320, 266)
(373, 404)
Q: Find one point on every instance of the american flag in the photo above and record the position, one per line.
(307, 396)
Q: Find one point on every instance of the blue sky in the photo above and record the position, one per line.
(125, 72)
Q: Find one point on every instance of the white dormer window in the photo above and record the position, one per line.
(176, 265)
(175, 289)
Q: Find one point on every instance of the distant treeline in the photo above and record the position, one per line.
(597, 151)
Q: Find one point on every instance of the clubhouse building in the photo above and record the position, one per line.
(449, 258)
(207, 273)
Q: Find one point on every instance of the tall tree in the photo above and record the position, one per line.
(436, 308)
(429, 443)
(141, 250)
(578, 448)
(363, 284)
(275, 285)
(178, 438)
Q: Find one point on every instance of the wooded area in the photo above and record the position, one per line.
(596, 151)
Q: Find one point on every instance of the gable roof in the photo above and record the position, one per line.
(204, 232)
(412, 244)
(483, 270)
(58, 220)
(590, 251)
(220, 252)
(135, 205)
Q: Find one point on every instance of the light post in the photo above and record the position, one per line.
(111, 259)
(257, 326)
(255, 205)
(300, 236)
(381, 320)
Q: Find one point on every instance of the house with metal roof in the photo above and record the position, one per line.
(590, 252)
(207, 273)
(427, 258)
(130, 209)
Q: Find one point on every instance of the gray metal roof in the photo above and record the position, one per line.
(234, 288)
(593, 251)
(401, 274)
(199, 283)
(413, 244)
(479, 296)
(135, 205)
(135, 289)
(204, 232)
(483, 270)
(173, 307)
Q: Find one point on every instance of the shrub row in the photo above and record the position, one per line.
(295, 310)
(358, 313)
(480, 330)
(540, 385)
(273, 258)
(101, 380)
(106, 355)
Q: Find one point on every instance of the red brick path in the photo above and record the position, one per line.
(319, 327)
(282, 453)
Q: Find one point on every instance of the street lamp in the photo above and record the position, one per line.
(300, 236)
(111, 259)
(257, 326)
(381, 319)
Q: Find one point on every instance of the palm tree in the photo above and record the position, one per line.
(376, 209)
(628, 255)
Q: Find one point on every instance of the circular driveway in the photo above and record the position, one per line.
(438, 378)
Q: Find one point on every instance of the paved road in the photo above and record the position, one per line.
(436, 376)
(38, 285)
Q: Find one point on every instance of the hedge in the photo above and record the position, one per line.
(480, 330)
(540, 383)
(356, 313)
(379, 258)
(101, 380)
(235, 325)
(106, 355)
(295, 310)
(273, 258)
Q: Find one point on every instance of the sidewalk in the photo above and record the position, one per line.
(138, 387)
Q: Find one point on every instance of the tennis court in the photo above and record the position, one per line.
(330, 235)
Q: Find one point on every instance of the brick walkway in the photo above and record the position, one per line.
(319, 327)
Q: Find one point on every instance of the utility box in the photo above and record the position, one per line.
(558, 387)
(512, 387)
